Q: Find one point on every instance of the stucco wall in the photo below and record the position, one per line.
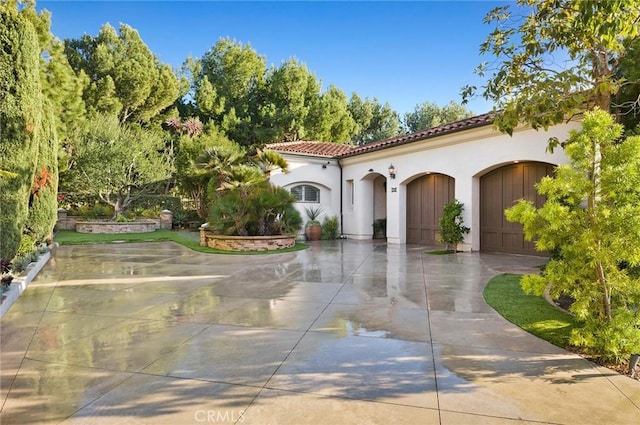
(465, 156)
(322, 173)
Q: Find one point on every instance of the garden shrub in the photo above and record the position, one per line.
(179, 219)
(27, 245)
(450, 225)
(159, 202)
(95, 210)
(330, 227)
(256, 210)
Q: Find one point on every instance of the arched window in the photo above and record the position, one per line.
(306, 193)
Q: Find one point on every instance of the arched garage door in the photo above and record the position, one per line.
(499, 189)
(426, 197)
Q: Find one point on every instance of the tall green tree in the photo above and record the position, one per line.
(428, 115)
(43, 201)
(291, 91)
(374, 121)
(329, 119)
(118, 163)
(589, 41)
(126, 79)
(60, 84)
(229, 86)
(626, 103)
(595, 242)
(555, 58)
(21, 110)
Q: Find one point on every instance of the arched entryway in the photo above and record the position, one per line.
(426, 197)
(380, 207)
(499, 190)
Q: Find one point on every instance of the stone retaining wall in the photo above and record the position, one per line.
(246, 243)
(113, 227)
(82, 225)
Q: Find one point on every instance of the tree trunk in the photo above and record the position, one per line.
(606, 296)
(117, 207)
(593, 201)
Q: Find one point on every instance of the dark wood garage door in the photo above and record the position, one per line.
(499, 190)
(426, 197)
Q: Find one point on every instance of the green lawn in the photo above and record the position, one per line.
(530, 312)
(189, 239)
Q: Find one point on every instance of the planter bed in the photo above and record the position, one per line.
(246, 243)
(21, 281)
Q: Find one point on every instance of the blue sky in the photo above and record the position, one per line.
(404, 53)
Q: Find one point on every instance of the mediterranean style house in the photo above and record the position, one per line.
(408, 179)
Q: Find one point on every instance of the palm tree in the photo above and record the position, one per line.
(7, 174)
(219, 160)
(268, 161)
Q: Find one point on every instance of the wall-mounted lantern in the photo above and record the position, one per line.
(392, 171)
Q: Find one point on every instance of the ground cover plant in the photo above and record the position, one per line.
(190, 240)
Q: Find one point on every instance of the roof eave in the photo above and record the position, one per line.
(414, 137)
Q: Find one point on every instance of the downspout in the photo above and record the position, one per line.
(341, 199)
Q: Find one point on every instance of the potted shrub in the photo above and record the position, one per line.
(313, 228)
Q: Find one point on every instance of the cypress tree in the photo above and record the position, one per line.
(20, 123)
(43, 204)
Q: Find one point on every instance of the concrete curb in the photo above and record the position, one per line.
(20, 282)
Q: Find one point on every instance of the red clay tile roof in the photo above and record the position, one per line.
(465, 124)
(337, 150)
(312, 148)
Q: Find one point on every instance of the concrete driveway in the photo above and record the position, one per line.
(345, 332)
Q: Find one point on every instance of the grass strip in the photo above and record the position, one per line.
(70, 237)
(530, 312)
(439, 252)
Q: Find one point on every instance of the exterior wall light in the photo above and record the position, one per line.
(392, 171)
